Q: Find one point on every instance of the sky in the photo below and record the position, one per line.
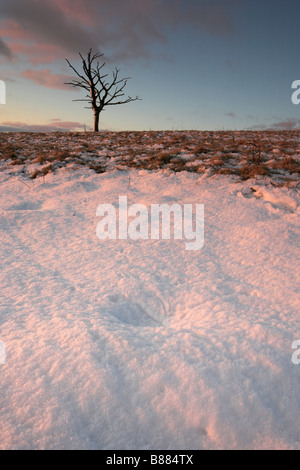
(195, 64)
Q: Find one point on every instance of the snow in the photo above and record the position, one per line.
(122, 344)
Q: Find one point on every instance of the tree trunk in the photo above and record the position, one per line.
(96, 121)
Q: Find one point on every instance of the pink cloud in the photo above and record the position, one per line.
(79, 11)
(36, 53)
(292, 123)
(66, 124)
(50, 127)
(13, 30)
(48, 79)
(288, 124)
(13, 123)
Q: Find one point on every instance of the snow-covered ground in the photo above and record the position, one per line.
(123, 344)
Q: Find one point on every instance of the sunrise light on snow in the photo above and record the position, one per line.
(149, 244)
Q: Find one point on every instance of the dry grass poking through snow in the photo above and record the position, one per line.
(245, 154)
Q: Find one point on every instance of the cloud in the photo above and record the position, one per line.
(230, 114)
(292, 123)
(36, 53)
(211, 16)
(13, 30)
(46, 21)
(53, 126)
(84, 12)
(128, 28)
(69, 125)
(48, 79)
(5, 50)
(288, 124)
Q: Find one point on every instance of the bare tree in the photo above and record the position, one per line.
(101, 93)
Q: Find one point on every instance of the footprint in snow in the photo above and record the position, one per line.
(143, 311)
(26, 206)
(283, 203)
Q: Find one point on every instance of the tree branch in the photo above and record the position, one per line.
(101, 92)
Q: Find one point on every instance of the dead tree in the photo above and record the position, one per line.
(101, 93)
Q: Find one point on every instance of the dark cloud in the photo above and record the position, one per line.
(230, 114)
(211, 16)
(46, 21)
(5, 50)
(127, 27)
